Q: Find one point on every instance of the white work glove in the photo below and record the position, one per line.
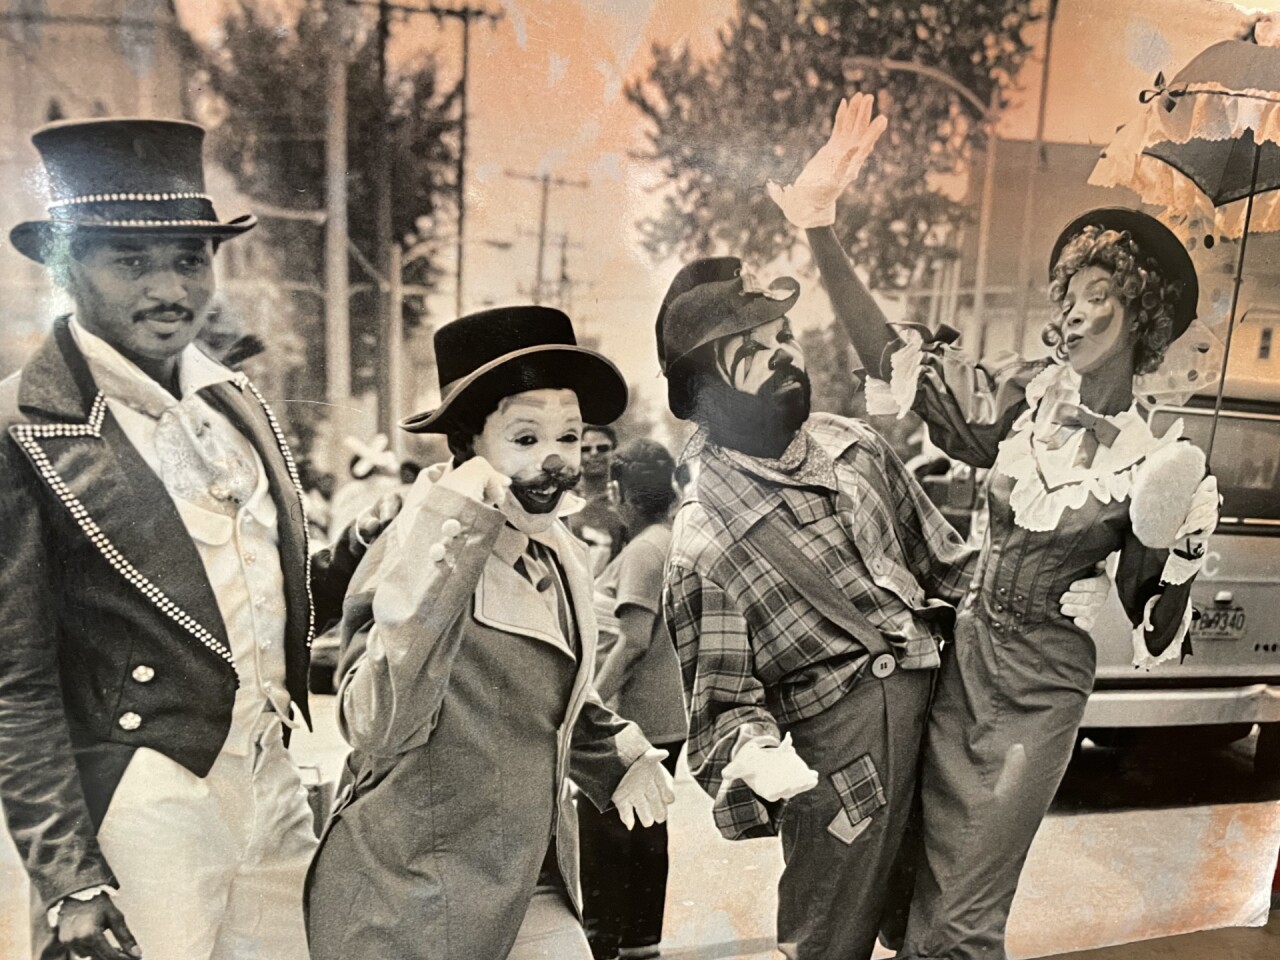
(477, 480)
(1084, 598)
(1187, 557)
(645, 791)
(811, 200)
(771, 771)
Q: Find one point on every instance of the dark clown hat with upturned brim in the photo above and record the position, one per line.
(1156, 242)
(483, 357)
(131, 176)
(709, 299)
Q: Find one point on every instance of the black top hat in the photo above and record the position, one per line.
(144, 176)
(1154, 240)
(485, 356)
(709, 299)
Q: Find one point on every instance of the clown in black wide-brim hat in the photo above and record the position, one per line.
(137, 176)
(485, 356)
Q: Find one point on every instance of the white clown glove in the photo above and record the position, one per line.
(1188, 554)
(811, 200)
(645, 791)
(477, 480)
(772, 772)
(1084, 598)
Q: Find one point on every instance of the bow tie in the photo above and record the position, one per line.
(1066, 418)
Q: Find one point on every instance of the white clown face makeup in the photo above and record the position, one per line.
(535, 438)
(1095, 324)
(755, 359)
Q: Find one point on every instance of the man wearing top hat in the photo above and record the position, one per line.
(809, 584)
(157, 597)
(465, 683)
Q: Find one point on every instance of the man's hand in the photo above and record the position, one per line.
(371, 523)
(86, 928)
(811, 200)
(477, 480)
(1085, 598)
(771, 772)
(645, 790)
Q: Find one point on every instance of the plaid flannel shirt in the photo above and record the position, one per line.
(754, 653)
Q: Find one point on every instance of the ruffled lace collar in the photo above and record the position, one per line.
(1048, 481)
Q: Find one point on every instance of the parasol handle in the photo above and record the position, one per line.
(1235, 299)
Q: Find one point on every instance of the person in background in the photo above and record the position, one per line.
(597, 524)
(624, 873)
(684, 480)
(373, 473)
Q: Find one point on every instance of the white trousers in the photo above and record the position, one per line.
(212, 868)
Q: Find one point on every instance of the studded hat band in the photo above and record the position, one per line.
(136, 210)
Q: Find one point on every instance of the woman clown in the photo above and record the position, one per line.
(1073, 466)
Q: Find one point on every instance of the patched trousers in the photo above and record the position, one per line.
(840, 840)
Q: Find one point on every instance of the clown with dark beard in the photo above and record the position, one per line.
(809, 584)
(465, 677)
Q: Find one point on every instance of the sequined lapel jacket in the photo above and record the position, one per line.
(110, 634)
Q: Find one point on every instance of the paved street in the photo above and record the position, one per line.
(1143, 842)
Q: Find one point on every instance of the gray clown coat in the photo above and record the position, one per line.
(467, 710)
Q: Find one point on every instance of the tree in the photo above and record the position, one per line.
(266, 78)
(759, 108)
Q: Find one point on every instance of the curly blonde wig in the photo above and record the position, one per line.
(1135, 279)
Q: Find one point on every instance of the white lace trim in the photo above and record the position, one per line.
(1204, 113)
(1142, 658)
(1179, 569)
(1048, 482)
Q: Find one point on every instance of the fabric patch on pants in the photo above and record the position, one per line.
(861, 794)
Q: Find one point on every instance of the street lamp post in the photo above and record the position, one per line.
(988, 113)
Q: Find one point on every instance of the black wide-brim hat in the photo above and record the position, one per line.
(140, 177)
(709, 299)
(1156, 241)
(485, 356)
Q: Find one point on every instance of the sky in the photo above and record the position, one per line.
(545, 96)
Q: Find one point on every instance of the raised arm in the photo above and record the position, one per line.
(810, 203)
(969, 408)
(404, 617)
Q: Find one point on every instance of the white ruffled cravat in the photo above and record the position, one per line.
(197, 462)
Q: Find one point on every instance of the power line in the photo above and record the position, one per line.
(546, 182)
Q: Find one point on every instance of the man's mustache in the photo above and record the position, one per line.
(783, 374)
(170, 310)
(562, 479)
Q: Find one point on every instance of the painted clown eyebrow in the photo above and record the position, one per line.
(749, 347)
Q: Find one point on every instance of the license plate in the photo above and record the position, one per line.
(1219, 623)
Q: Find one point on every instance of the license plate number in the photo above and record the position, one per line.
(1219, 623)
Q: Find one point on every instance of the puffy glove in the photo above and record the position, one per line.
(1085, 598)
(811, 200)
(645, 791)
(771, 772)
(1187, 556)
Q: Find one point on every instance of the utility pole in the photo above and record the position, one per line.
(337, 280)
(1038, 163)
(565, 284)
(989, 114)
(383, 239)
(464, 14)
(545, 182)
